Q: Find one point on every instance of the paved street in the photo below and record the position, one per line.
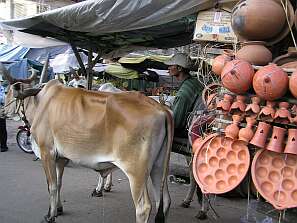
(24, 196)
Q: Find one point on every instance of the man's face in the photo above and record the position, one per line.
(173, 70)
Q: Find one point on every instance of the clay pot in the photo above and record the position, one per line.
(267, 113)
(220, 61)
(239, 105)
(246, 134)
(254, 107)
(196, 144)
(293, 84)
(282, 115)
(255, 53)
(237, 76)
(276, 143)
(289, 57)
(258, 20)
(291, 146)
(231, 131)
(270, 82)
(294, 112)
(260, 137)
(225, 104)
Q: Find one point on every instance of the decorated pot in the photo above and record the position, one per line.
(237, 76)
(220, 61)
(270, 82)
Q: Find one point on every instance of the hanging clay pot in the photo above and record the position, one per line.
(270, 82)
(237, 76)
(254, 107)
(254, 52)
(291, 146)
(246, 134)
(258, 20)
(260, 137)
(267, 113)
(276, 143)
(220, 61)
(225, 104)
(232, 130)
(239, 105)
(293, 84)
(282, 115)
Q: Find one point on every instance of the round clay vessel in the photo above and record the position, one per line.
(196, 144)
(220, 61)
(270, 82)
(232, 130)
(276, 143)
(282, 115)
(225, 104)
(291, 146)
(254, 52)
(260, 137)
(254, 107)
(293, 84)
(258, 20)
(239, 105)
(267, 113)
(246, 134)
(237, 76)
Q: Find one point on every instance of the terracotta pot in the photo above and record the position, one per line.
(258, 20)
(276, 143)
(237, 76)
(255, 53)
(254, 107)
(293, 84)
(231, 131)
(196, 144)
(246, 134)
(220, 61)
(282, 115)
(239, 105)
(291, 146)
(270, 82)
(286, 58)
(260, 137)
(267, 113)
(225, 104)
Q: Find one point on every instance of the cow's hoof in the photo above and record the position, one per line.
(185, 204)
(46, 219)
(96, 193)
(201, 215)
(108, 189)
(59, 210)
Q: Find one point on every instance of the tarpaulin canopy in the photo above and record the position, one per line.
(108, 25)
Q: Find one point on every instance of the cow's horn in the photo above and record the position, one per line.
(6, 74)
(43, 77)
(20, 93)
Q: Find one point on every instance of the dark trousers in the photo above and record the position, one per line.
(3, 133)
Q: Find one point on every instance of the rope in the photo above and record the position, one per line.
(285, 7)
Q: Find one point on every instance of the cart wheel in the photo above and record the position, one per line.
(24, 141)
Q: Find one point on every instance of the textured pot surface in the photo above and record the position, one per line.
(270, 82)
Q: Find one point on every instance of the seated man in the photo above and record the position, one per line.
(189, 91)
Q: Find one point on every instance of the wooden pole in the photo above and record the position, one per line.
(89, 70)
(79, 60)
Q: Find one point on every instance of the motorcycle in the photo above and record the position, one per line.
(23, 137)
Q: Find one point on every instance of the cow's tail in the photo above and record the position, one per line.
(160, 217)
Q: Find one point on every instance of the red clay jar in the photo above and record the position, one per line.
(260, 137)
(220, 61)
(267, 113)
(232, 130)
(270, 82)
(246, 134)
(276, 143)
(254, 107)
(291, 146)
(239, 105)
(293, 84)
(254, 52)
(282, 115)
(258, 20)
(225, 104)
(237, 76)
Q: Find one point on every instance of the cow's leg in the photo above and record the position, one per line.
(49, 165)
(97, 192)
(108, 183)
(61, 163)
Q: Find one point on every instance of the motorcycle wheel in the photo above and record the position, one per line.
(24, 141)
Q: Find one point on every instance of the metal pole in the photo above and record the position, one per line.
(89, 70)
(79, 60)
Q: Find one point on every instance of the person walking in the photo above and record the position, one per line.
(3, 131)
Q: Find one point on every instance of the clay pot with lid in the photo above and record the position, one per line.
(254, 52)
(239, 105)
(258, 20)
(225, 104)
(276, 143)
(254, 107)
(293, 84)
(220, 61)
(267, 113)
(237, 76)
(246, 134)
(231, 131)
(283, 115)
(270, 82)
(260, 137)
(291, 146)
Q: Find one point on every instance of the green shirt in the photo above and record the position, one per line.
(190, 89)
